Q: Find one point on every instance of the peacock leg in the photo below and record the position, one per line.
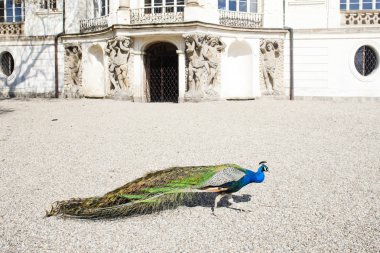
(231, 203)
(217, 199)
(229, 199)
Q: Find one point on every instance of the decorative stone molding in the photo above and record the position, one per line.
(192, 3)
(272, 67)
(12, 28)
(173, 14)
(73, 71)
(361, 18)
(203, 66)
(124, 4)
(120, 67)
(240, 19)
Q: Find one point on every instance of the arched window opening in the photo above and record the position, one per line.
(7, 63)
(366, 60)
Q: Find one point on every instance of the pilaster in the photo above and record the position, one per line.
(123, 12)
(202, 10)
(181, 75)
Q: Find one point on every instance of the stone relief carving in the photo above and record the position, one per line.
(272, 67)
(203, 65)
(73, 71)
(119, 52)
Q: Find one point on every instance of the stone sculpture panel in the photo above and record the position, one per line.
(73, 71)
(120, 65)
(203, 66)
(272, 67)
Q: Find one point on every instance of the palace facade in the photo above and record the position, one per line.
(190, 50)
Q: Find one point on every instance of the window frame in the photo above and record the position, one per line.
(47, 5)
(104, 6)
(161, 6)
(250, 5)
(347, 5)
(12, 6)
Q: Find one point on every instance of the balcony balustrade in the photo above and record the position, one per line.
(12, 28)
(155, 15)
(93, 24)
(240, 19)
(361, 18)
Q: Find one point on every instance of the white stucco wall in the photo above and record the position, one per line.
(34, 68)
(273, 14)
(41, 22)
(324, 64)
(301, 14)
(75, 11)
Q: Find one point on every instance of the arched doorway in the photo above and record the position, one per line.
(94, 74)
(239, 72)
(161, 65)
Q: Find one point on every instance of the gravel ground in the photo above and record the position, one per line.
(322, 194)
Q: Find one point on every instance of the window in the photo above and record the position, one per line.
(102, 8)
(159, 6)
(366, 60)
(243, 5)
(253, 6)
(221, 4)
(48, 5)
(11, 10)
(238, 5)
(7, 63)
(232, 5)
(354, 5)
(367, 4)
(343, 4)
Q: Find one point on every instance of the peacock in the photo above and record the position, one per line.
(161, 190)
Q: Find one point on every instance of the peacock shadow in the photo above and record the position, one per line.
(201, 199)
(207, 199)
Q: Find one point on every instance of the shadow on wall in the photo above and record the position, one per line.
(26, 72)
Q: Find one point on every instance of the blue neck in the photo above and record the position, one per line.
(255, 177)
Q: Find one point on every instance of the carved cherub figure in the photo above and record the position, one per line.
(118, 50)
(270, 51)
(74, 56)
(211, 51)
(197, 63)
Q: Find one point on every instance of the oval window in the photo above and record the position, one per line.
(7, 63)
(366, 60)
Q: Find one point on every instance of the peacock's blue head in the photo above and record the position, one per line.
(263, 167)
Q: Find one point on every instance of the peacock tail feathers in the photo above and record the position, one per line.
(154, 192)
